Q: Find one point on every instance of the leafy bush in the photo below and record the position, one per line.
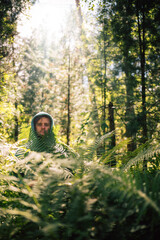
(46, 197)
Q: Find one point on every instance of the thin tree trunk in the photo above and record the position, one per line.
(79, 13)
(68, 104)
(112, 129)
(131, 129)
(111, 124)
(104, 86)
(15, 131)
(95, 117)
(142, 48)
(16, 123)
(95, 111)
(141, 33)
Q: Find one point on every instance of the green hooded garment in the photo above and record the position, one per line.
(44, 143)
(37, 143)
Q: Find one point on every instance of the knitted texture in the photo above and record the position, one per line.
(37, 143)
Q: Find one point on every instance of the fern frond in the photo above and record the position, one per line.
(143, 155)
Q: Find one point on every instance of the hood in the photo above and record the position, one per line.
(42, 114)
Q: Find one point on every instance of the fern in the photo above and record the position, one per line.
(46, 197)
(144, 155)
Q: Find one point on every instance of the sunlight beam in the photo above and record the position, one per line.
(47, 13)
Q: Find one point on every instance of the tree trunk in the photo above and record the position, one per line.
(111, 124)
(15, 131)
(68, 104)
(104, 83)
(112, 129)
(16, 123)
(130, 118)
(79, 12)
(142, 47)
(95, 118)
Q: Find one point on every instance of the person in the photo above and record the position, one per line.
(42, 137)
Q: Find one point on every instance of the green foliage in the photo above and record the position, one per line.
(9, 15)
(116, 44)
(9, 12)
(46, 197)
(7, 122)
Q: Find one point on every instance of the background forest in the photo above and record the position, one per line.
(100, 82)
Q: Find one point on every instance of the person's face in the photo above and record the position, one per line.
(42, 126)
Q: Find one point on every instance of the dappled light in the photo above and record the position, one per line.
(46, 15)
(79, 120)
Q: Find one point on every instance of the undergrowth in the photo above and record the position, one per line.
(78, 197)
